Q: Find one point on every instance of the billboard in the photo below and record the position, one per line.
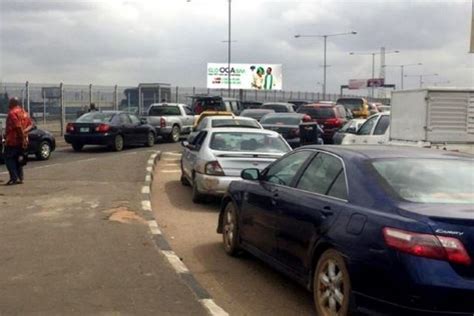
(355, 84)
(245, 76)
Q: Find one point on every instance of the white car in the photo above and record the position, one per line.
(217, 156)
(374, 131)
(219, 121)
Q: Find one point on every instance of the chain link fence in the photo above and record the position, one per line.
(52, 110)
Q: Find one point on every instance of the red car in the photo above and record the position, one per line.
(330, 117)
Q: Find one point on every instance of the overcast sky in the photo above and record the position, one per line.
(127, 42)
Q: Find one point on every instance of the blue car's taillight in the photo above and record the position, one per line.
(426, 245)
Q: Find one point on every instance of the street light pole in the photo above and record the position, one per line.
(373, 63)
(325, 37)
(229, 49)
(402, 71)
(325, 67)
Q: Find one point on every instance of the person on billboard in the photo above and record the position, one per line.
(257, 80)
(269, 80)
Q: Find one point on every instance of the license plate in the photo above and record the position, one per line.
(84, 130)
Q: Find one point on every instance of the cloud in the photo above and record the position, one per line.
(126, 42)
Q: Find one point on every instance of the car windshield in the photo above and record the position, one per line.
(164, 111)
(254, 142)
(281, 120)
(351, 104)
(318, 113)
(95, 117)
(235, 123)
(448, 181)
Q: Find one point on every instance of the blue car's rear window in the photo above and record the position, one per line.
(449, 181)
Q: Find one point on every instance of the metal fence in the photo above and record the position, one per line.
(52, 111)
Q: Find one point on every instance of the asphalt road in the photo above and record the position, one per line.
(242, 286)
(74, 240)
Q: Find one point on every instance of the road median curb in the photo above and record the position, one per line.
(164, 247)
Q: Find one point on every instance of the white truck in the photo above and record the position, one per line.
(433, 117)
(170, 120)
(440, 118)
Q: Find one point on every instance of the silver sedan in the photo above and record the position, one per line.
(217, 156)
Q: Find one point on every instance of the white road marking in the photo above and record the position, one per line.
(151, 162)
(175, 262)
(172, 164)
(154, 228)
(171, 171)
(146, 205)
(154, 156)
(213, 308)
(149, 169)
(146, 189)
(148, 178)
(170, 159)
(172, 153)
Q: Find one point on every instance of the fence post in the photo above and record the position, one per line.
(27, 87)
(299, 95)
(90, 94)
(115, 98)
(177, 91)
(61, 105)
(194, 90)
(306, 95)
(44, 107)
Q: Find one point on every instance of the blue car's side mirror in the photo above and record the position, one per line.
(250, 174)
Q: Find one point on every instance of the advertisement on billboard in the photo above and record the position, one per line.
(245, 76)
(355, 84)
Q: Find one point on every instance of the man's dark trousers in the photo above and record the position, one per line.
(12, 160)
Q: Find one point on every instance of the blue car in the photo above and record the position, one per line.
(382, 230)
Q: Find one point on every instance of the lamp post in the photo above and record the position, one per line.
(229, 41)
(402, 68)
(325, 37)
(373, 62)
(421, 77)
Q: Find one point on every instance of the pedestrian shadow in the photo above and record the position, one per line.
(249, 279)
(175, 189)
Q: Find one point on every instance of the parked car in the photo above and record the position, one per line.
(287, 125)
(279, 107)
(224, 121)
(299, 103)
(218, 155)
(215, 103)
(256, 114)
(331, 117)
(114, 129)
(358, 106)
(170, 120)
(351, 127)
(383, 230)
(41, 143)
(251, 105)
(375, 130)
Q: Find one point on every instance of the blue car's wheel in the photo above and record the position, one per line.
(331, 285)
(230, 235)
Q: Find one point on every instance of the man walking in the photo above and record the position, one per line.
(16, 135)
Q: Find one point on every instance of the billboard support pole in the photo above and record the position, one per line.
(27, 86)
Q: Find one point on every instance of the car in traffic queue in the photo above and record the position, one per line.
(279, 107)
(114, 129)
(251, 104)
(299, 103)
(375, 130)
(381, 230)
(359, 107)
(170, 120)
(256, 113)
(330, 117)
(351, 127)
(41, 143)
(215, 103)
(216, 157)
(288, 125)
(219, 121)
